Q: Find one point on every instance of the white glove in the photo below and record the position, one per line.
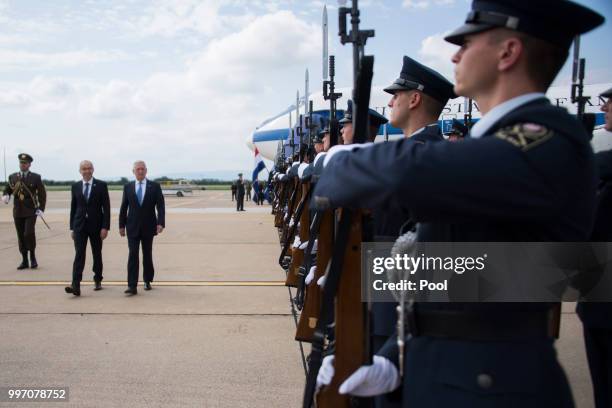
(291, 223)
(379, 378)
(343, 148)
(39, 212)
(310, 275)
(304, 245)
(321, 281)
(6, 199)
(326, 372)
(315, 246)
(296, 242)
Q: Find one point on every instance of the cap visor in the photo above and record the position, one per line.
(393, 88)
(456, 37)
(606, 94)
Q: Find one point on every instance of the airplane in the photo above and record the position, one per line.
(276, 129)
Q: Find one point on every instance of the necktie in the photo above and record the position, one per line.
(86, 192)
(139, 193)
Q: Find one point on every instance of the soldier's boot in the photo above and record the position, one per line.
(24, 261)
(33, 263)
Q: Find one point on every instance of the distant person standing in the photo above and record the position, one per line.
(29, 202)
(234, 190)
(89, 220)
(240, 193)
(261, 195)
(137, 215)
(248, 190)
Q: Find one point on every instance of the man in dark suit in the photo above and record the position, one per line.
(89, 220)
(30, 198)
(137, 214)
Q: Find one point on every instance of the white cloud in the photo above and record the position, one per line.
(424, 4)
(28, 60)
(207, 108)
(436, 53)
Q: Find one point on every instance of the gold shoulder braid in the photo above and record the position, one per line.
(525, 135)
(17, 189)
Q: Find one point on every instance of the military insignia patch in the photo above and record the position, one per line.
(525, 135)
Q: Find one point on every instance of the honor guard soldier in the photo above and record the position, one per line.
(29, 199)
(418, 97)
(376, 120)
(318, 142)
(240, 193)
(596, 317)
(526, 173)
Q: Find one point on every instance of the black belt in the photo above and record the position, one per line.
(471, 325)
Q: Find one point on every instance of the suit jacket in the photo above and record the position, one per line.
(240, 187)
(141, 220)
(90, 215)
(23, 204)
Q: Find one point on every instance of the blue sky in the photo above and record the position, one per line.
(183, 83)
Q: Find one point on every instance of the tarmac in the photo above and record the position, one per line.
(215, 331)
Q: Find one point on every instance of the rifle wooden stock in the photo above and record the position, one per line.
(351, 340)
(280, 204)
(312, 303)
(297, 258)
(295, 198)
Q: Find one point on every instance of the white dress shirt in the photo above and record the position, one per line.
(144, 187)
(90, 186)
(484, 124)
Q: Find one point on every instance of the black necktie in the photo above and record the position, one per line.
(86, 192)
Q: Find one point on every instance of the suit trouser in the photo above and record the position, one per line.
(80, 246)
(26, 233)
(147, 259)
(599, 355)
(240, 202)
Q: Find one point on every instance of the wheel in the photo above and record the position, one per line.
(179, 193)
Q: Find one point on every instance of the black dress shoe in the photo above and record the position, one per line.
(23, 265)
(98, 285)
(76, 291)
(147, 285)
(131, 291)
(33, 263)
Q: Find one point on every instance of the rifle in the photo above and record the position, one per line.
(587, 119)
(467, 117)
(308, 299)
(287, 231)
(301, 214)
(351, 323)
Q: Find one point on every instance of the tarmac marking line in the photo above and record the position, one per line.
(158, 283)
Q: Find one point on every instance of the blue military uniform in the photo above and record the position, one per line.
(597, 317)
(527, 174)
(390, 220)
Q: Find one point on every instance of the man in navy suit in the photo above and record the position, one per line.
(89, 220)
(141, 199)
